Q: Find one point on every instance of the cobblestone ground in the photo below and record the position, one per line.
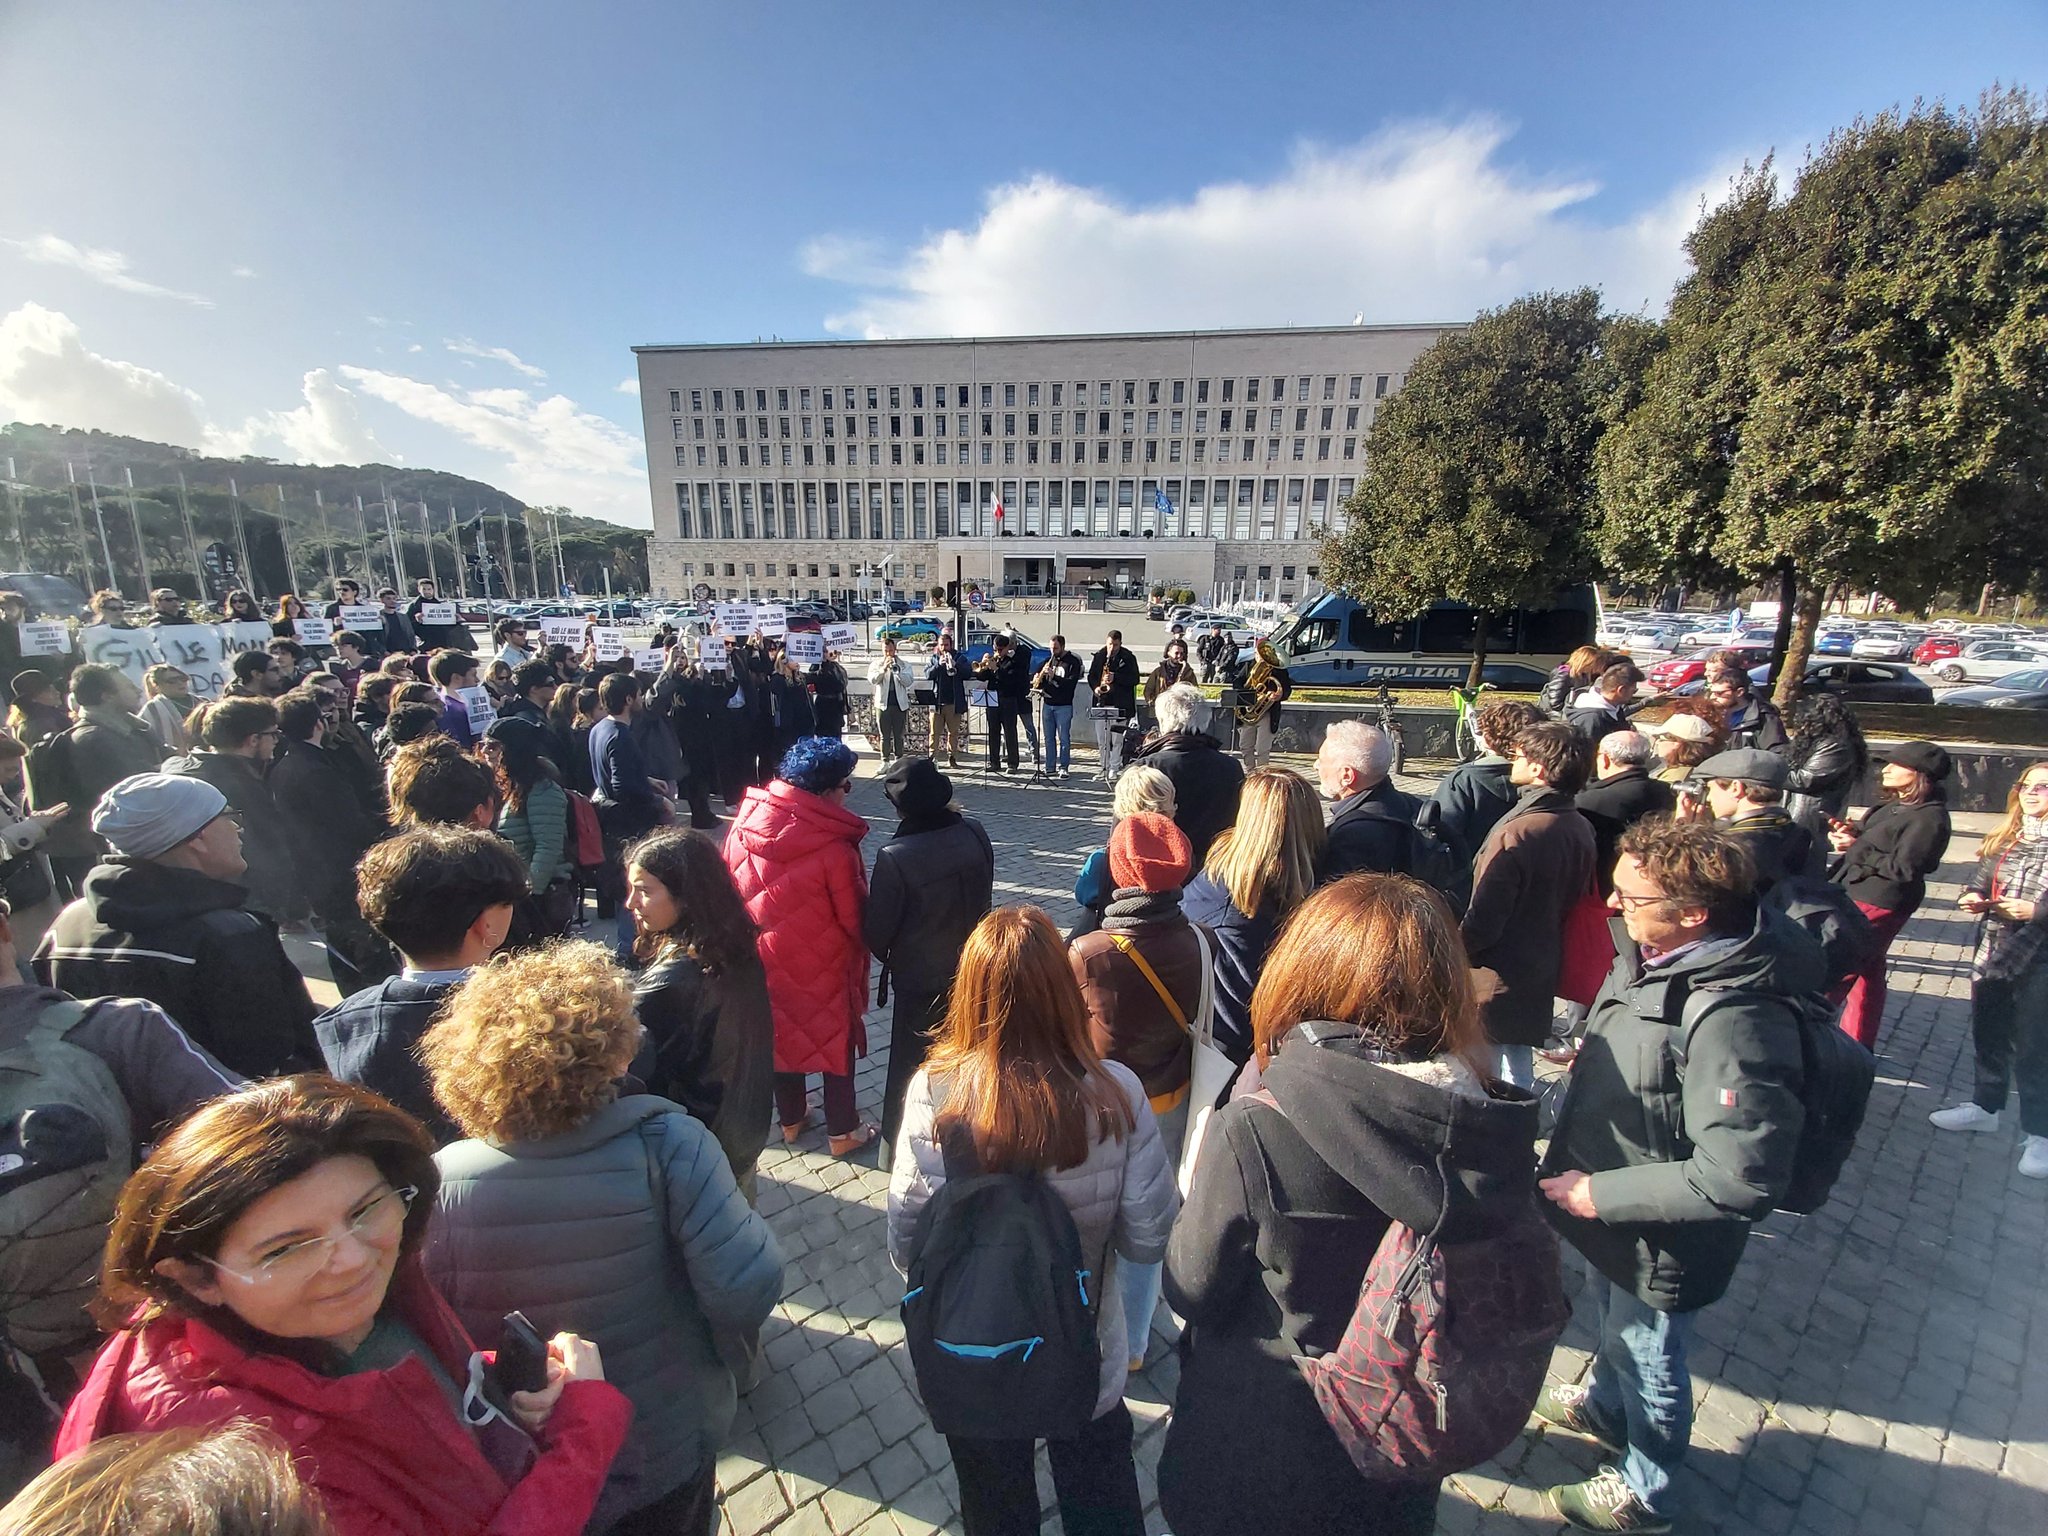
(1878, 1368)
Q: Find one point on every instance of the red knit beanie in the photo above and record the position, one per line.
(1149, 852)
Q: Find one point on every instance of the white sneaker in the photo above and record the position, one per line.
(2034, 1157)
(1964, 1117)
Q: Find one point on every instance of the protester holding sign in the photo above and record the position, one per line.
(828, 685)
(433, 621)
(456, 675)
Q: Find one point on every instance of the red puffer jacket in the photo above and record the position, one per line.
(795, 857)
(382, 1448)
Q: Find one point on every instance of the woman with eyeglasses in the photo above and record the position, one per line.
(2009, 974)
(263, 1264)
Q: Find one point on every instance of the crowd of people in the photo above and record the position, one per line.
(477, 1248)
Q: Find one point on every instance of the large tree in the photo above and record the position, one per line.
(1852, 386)
(1478, 478)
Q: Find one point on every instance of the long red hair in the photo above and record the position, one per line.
(1015, 1054)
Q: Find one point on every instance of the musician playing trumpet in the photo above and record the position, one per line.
(1173, 668)
(1261, 684)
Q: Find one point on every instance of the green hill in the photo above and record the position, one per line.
(267, 507)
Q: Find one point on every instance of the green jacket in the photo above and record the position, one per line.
(539, 833)
(1686, 1115)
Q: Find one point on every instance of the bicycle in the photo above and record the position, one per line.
(1390, 726)
(1465, 732)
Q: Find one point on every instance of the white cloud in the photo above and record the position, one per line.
(628, 386)
(48, 375)
(325, 430)
(1420, 222)
(467, 348)
(553, 450)
(109, 267)
(242, 272)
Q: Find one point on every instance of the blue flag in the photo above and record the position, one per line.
(1160, 503)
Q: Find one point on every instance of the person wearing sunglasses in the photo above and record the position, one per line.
(263, 1264)
(2009, 974)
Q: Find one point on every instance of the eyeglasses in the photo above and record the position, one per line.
(377, 1223)
(2034, 789)
(1630, 903)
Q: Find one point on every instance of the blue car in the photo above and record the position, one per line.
(979, 645)
(921, 628)
(1834, 642)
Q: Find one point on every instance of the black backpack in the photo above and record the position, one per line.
(1836, 1072)
(1826, 913)
(1000, 1313)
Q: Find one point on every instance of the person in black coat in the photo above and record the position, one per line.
(240, 737)
(1475, 795)
(1291, 1198)
(1745, 795)
(795, 715)
(1372, 824)
(1751, 721)
(703, 996)
(330, 831)
(828, 689)
(1603, 709)
(444, 898)
(1828, 758)
(932, 882)
(162, 918)
(1622, 793)
(1884, 867)
(1207, 781)
(1113, 675)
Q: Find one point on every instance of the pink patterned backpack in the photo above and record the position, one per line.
(1447, 1346)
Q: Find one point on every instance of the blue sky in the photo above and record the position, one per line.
(429, 233)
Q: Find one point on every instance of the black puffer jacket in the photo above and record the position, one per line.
(1687, 1125)
(183, 940)
(710, 1047)
(1374, 831)
(1286, 1209)
(1820, 782)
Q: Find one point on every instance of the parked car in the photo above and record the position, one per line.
(1883, 645)
(1937, 648)
(1860, 682)
(910, 628)
(1834, 642)
(1989, 661)
(1675, 672)
(2016, 690)
(55, 597)
(981, 641)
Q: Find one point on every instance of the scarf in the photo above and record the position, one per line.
(936, 821)
(2005, 949)
(1131, 905)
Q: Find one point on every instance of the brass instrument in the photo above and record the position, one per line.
(1259, 683)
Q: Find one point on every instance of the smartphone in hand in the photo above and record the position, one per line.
(522, 1363)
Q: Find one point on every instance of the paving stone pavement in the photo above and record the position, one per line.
(1878, 1368)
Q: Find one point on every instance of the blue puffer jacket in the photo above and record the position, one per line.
(567, 1229)
(1240, 945)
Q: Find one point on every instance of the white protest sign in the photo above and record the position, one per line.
(481, 711)
(132, 651)
(313, 631)
(567, 632)
(735, 619)
(364, 618)
(200, 653)
(46, 639)
(711, 651)
(772, 619)
(805, 649)
(438, 613)
(245, 635)
(652, 659)
(611, 643)
(838, 636)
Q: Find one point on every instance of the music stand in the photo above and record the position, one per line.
(1109, 743)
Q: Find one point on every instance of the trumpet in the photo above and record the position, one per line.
(1259, 690)
(986, 667)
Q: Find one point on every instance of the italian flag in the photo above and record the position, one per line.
(995, 505)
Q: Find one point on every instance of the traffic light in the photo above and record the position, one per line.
(953, 595)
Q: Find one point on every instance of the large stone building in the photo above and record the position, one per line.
(1201, 459)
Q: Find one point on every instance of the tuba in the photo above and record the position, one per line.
(1258, 689)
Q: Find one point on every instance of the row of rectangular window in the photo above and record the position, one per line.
(922, 510)
(1175, 424)
(772, 569)
(1105, 389)
(710, 456)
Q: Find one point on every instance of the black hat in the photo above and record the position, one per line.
(1922, 757)
(916, 788)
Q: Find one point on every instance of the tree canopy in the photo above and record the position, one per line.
(1478, 482)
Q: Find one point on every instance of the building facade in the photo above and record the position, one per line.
(1204, 459)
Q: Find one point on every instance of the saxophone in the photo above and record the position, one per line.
(1259, 685)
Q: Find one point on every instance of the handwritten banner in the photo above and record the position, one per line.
(481, 711)
(313, 631)
(805, 649)
(611, 643)
(363, 618)
(772, 620)
(839, 636)
(129, 651)
(711, 650)
(44, 639)
(200, 652)
(735, 619)
(567, 632)
(651, 659)
(437, 613)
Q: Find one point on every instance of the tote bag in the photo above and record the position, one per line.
(1588, 945)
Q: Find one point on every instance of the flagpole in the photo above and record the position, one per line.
(391, 534)
(135, 521)
(191, 538)
(363, 543)
(99, 517)
(78, 516)
(284, 538)
(241, 537)
(427, 530)
(14, 500)
(505, 537)
(326, 535)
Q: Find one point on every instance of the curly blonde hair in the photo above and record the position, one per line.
(532, 1044)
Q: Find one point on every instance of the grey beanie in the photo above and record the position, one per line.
(148, 814)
